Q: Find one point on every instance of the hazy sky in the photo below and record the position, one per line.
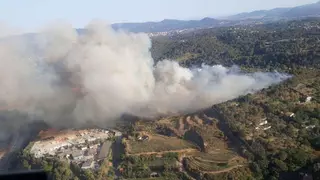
(29, 14)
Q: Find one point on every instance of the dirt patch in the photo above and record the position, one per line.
(158, 143)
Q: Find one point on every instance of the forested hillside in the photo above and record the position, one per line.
(283, 45)
(279, 126)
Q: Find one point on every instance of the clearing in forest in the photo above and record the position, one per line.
(158, 143)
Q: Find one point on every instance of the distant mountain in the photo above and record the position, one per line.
(274, 13)
(255, 17)
(304, 11)
(309, 10)
(260, 16)
(167, 25)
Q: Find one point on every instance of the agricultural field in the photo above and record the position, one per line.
(160, 163)
(157, 144)
(218, 157)
(214, 163)
(199, 129)
(202, 165)
(177, 134)
(237, 173)
(156, 178)
(200, 145)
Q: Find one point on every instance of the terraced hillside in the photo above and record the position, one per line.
(201, 147)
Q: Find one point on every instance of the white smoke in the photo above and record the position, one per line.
(116, 74)
(7, 30)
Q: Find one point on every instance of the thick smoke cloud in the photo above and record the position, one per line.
(62, 76)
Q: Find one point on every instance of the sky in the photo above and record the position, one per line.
(32, 14)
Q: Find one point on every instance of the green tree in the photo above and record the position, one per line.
(291, 130)
(282, 166)
(314, 121)
(89, 175)
(283, 155)
(111, 173)
(26, 165)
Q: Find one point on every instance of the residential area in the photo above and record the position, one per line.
(85, 148)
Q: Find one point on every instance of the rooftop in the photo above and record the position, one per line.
(87, 164)
(77, 153)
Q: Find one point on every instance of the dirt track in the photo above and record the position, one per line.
(181, 127)
(163, 152)
(224, 170)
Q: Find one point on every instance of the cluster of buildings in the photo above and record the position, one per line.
(83, 147)
(170, 33)
(263, 125)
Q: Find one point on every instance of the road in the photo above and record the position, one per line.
(117, 150)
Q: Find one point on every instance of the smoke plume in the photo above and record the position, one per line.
(64, 76)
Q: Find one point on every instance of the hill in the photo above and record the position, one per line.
(304, 11)
(255, 17)
(190, 145)
(309, 10)
(278, 128)
(168, 25)
(281, 45)
(272, 134)
(260, 16)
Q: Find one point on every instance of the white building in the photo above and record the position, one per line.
(77, 155)
(93, 146)
(292, 115)
(263, 123)
(117, 133)
(266, 128)
(311, 127)
(308, 99)
(90, 139)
